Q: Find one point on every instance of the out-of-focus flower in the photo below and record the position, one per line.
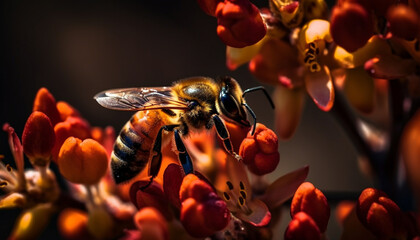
(410, 149)
(202, 212)
(404, 21)
(45, 102)
(351, 26)
(82, 162)
(72, 224)
(260, 151)
(151, 224)
(312, 201)
(100, 223)
(32, 222)
(302, 226)
(38, 139)
(239, 23)
(380, 214)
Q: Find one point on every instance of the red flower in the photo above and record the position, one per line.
(45, 102)
(143, 195)
(239, 23)
(38, 139)
(260, 151)
(312, 201)
(302, 226)
(351, 26)
(203, 212)
(379, 214)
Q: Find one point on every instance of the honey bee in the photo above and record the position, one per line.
(195, 103)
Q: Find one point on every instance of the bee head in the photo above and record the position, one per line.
(232, 104)
(230, 101)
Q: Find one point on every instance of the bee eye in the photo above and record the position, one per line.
(228, 104)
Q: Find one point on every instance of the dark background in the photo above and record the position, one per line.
(79, 48)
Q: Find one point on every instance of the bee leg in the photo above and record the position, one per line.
(156, 160)
(224, 135)
(183, 155)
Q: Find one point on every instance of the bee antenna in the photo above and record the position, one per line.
(256, 89)
(253, 116)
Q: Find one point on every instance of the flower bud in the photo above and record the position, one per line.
(351, 26)
(72, 224)
(151, 224)
(45, 102)
(239, 23)
(312, 201)
(260, 151)
(379, 214)
(72, 127)
(38, 139)
(404, 22)
(82, 162)
(66, 110)
(143, 196)
(302, 226)
(203, 212)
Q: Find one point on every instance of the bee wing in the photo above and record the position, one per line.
(140, 99)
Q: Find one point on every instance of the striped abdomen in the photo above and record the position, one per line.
(134, 144)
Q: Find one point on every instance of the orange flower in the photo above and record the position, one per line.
(302, 226)
(239, 23)
(312, 201)
(260, 151)
(71, 127)
(38, 139)
(82, 162)
(45, 102)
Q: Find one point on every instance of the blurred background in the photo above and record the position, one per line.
(79, 48)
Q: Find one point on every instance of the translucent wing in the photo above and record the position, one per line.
(139, 99)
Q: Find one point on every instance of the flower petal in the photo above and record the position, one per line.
(235, 57)
(376, 45)
(284, 187)
(259, 214)
(358, 87)
(13, 200)
(172, 179)
(390, 67)
(320, 88)
(289, 105)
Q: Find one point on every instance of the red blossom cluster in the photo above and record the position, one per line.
(352, 21)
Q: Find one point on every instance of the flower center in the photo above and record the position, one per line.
(237, 198)
(311, 60)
